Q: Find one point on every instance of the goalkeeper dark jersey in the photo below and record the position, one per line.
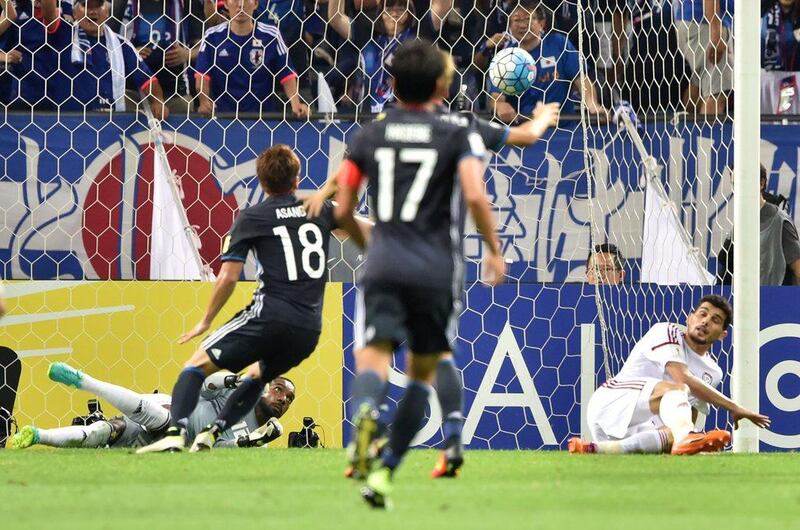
(290, 252)
(410, 158)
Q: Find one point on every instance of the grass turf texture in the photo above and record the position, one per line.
(231, 489)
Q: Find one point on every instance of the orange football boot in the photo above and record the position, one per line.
(702, 442)
(578, 446)
(447, 466)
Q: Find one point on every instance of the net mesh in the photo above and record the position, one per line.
(93, 190)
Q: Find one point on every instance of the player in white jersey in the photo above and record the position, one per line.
(670, 376)
(145, 417)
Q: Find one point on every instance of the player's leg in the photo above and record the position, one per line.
(431, 325)
(671, 402)
(186, 391)
(136, 406)
(185, 395)
(449, 387)
(407, 421)
(98, 434)
(281, 347)
(450, 391)
(613, 419)
(366, 394)
(621, 418)
(650, 441)
(411, 409)
(381, 327)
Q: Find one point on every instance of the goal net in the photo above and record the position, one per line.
(114, 219)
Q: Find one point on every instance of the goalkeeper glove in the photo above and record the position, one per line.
(263, 435)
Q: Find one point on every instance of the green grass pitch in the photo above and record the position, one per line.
(279, 488)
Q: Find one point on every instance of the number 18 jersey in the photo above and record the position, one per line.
(411, 158)
(290, 252)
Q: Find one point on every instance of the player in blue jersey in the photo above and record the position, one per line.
(239, 63)
(103, 64)
(422, 168)
(448, 380)
(557, 68)
(281, 326)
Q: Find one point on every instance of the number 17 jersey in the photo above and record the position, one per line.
(411, 160)
(290, 252)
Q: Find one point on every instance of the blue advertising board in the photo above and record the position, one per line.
(76, 195)
(519, 349)
(77, 192)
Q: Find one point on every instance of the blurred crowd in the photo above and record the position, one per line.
(301, 56)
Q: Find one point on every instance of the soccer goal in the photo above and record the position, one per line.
(614, 221)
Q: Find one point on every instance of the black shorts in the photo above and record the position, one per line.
(277, 346)
(425, 317)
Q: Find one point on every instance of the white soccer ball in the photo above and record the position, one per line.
(512, 71)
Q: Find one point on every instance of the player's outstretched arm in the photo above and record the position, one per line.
(470, 173)
(680, 374)
(217, 383)
(313, 203)
(349, 180)
(545, 115)
(223, 289)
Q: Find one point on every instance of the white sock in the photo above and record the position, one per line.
(95, 435)
(136, 406)
(676, 413)
(644, 442)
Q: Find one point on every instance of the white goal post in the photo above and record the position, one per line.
(745, 377)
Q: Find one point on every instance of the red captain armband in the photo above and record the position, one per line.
(350, 175)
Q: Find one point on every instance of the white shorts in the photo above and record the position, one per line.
(135, 435)
(619, 409)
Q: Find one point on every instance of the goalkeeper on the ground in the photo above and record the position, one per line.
(145, 417)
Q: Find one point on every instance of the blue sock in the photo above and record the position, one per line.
(450, 391)
(368, 387)
(407, 421)
(242, 401)
(185, 394)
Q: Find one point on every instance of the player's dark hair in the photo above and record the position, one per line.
(721, 303)
(277, 168)
(416, 67)
(607, 248)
